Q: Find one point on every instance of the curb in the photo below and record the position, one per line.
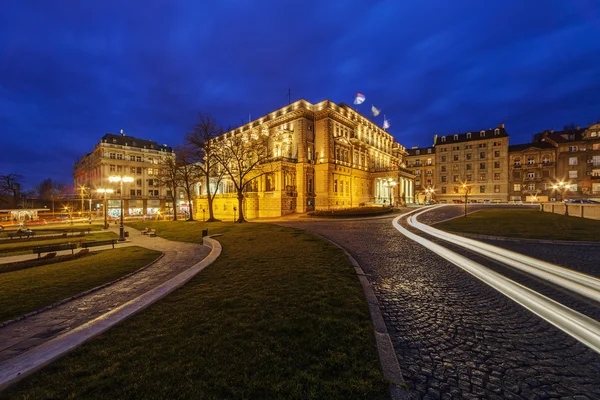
(78, 295)
(32, 360)
(525, 240)
(385, 348)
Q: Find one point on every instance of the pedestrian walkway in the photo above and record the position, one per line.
(24, 336)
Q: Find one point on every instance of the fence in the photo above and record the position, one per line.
(590, 211)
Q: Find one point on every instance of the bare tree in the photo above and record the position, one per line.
(201, 140)
(169, 176)
(50, 190)
(190, 173)
(10, 184)
(244, 157)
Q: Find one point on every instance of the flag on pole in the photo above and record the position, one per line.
(386, 123)
(375, 111)
(360, 98)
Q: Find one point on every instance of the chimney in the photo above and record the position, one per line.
(122, 133)
(551, 130)
(501, 126)
(578, 127)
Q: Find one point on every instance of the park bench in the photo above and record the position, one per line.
(149, 232)
(145, 231)
(85, 245)
(56, 247)
(20, 235)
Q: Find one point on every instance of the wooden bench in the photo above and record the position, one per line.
(145, 231)
(85, 245)
(57, 247)
(152, 233)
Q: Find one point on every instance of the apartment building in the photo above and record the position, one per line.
(532, 171)
(421, 162)
(472, 165)
(126, 156)
(577, 161)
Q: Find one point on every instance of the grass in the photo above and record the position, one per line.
(24, 246)
(53, 228)
(280, 315)
(29, 289)
(529, 224)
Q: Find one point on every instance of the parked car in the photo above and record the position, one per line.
(581, 201)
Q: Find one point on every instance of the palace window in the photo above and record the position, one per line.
(444, 178)
(496, 164)
(112, 155)
(530, 161)
(572, 148)
(517, 162)
(454, 178)
(531, 187)
(496, 188)
(482, 166)
(468, 156)
(482, 189)
(468, 167)
(482, 154)
(443, 189)
(572, 174)
(497, 176)
(517, 187)
(455, 157)
(112, 168)
(481, 177)
(497, 153)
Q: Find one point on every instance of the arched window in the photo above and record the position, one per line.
(443, 138)
(482, 134)
(455, 137)
(469, 135)
(517, 162)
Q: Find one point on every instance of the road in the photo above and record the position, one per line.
(457, 337)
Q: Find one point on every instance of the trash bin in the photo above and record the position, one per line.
(204, 232)
(126, 234)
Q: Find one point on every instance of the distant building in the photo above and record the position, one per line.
(326, 156)
(475, 162)
(578, 160)
(421, 162)
(125, 155)
(532, 171)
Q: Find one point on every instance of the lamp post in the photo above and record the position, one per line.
(121, 179)
(105, 191)
(561, 188)
(234, 213)
(428, 194)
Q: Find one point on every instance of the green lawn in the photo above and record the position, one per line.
(530, 224)
(280, 315)
(14, 247)
(29, 289)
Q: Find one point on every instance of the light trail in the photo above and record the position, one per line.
(577, 282)
(575, 324)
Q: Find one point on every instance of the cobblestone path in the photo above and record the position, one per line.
(456, 337)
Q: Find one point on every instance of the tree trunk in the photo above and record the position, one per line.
(174, 203)
(190, 208)
(211, 213)
(240, 209)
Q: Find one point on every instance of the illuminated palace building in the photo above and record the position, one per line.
(126, 156)
(325, 156)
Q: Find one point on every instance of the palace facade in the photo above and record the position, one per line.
(324, 156)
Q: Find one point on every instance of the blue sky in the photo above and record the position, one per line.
(72, 70)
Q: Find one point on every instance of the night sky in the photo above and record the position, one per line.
(70, 71)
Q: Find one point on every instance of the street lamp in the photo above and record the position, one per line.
(561, 187)
(105, 191)
(429, 194)
(121, 179)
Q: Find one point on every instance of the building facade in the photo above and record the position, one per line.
(324, 156)
(473, 166)
(532, 172)
(421, 162)
(125, 156)
(578, 161)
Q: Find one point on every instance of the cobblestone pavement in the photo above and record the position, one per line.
(23, 335)
(455, 337)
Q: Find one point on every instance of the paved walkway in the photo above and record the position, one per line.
(28, 333)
